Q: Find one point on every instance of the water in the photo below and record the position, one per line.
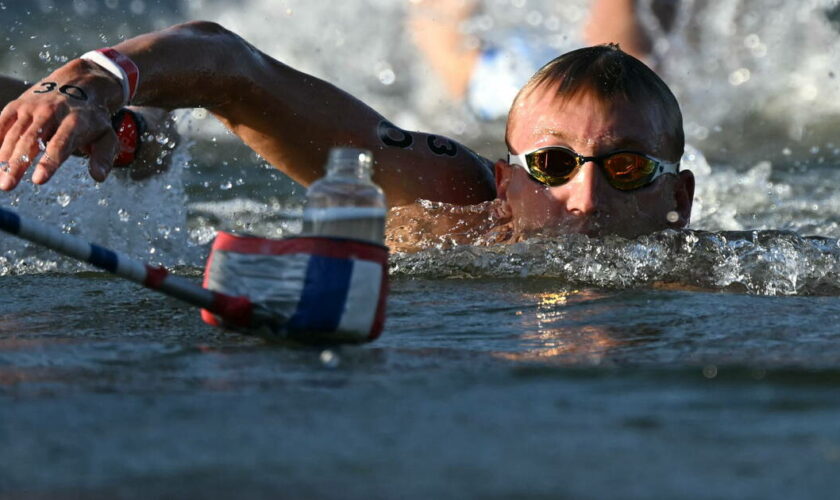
(691, 364)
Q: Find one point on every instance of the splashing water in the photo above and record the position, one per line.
(754, 79)
(759, 262)
(144, 219)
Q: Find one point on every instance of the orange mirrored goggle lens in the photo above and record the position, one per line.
(624, 171)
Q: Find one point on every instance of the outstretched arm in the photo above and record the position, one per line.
(288, 117)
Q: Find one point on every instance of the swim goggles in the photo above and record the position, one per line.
(624, 170)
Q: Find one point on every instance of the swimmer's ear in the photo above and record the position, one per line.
(684, 196)
(502, 171)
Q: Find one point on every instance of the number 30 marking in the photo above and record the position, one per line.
(71, 91)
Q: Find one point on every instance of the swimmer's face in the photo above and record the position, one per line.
(588, 203)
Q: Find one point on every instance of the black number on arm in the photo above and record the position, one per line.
(442, 146)
(48, 87)
(391, 135)
(74, 92)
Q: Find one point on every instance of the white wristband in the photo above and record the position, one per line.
(118, 65)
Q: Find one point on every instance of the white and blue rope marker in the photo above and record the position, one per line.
(235, 310)
(310, 288)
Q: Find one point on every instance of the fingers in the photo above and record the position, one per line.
(29, 145)
(102, 154)
(23, 133)
(60, 147)
(7, 118)
(11, 176)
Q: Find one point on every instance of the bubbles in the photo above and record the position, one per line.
(534, 18)
(329, 359)
(672, 217)
(809, 92)
(63, 199)
(385, 73)
(739, 76)
(751, 41)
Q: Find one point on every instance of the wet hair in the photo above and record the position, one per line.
(611, 74)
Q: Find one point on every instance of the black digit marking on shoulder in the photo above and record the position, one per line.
(391, 135)
(442, 146)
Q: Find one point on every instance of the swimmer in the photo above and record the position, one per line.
(594, 138)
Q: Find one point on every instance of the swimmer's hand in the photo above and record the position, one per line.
(70, 110)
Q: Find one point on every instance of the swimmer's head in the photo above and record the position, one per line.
(596, 101)
(610, 75)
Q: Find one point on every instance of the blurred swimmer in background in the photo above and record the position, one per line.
(486, 76)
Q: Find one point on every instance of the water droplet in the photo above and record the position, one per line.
(534, 18)
(330, 359)
(226, 185)
(672, 217)
(387, 76)
(63, 199)
(751, 41)
(710, 371)
(739, 77)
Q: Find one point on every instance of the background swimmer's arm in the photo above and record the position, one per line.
(292, 119)
(618, 21)
(437, 29)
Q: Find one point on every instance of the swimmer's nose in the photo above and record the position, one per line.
(587, 191)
